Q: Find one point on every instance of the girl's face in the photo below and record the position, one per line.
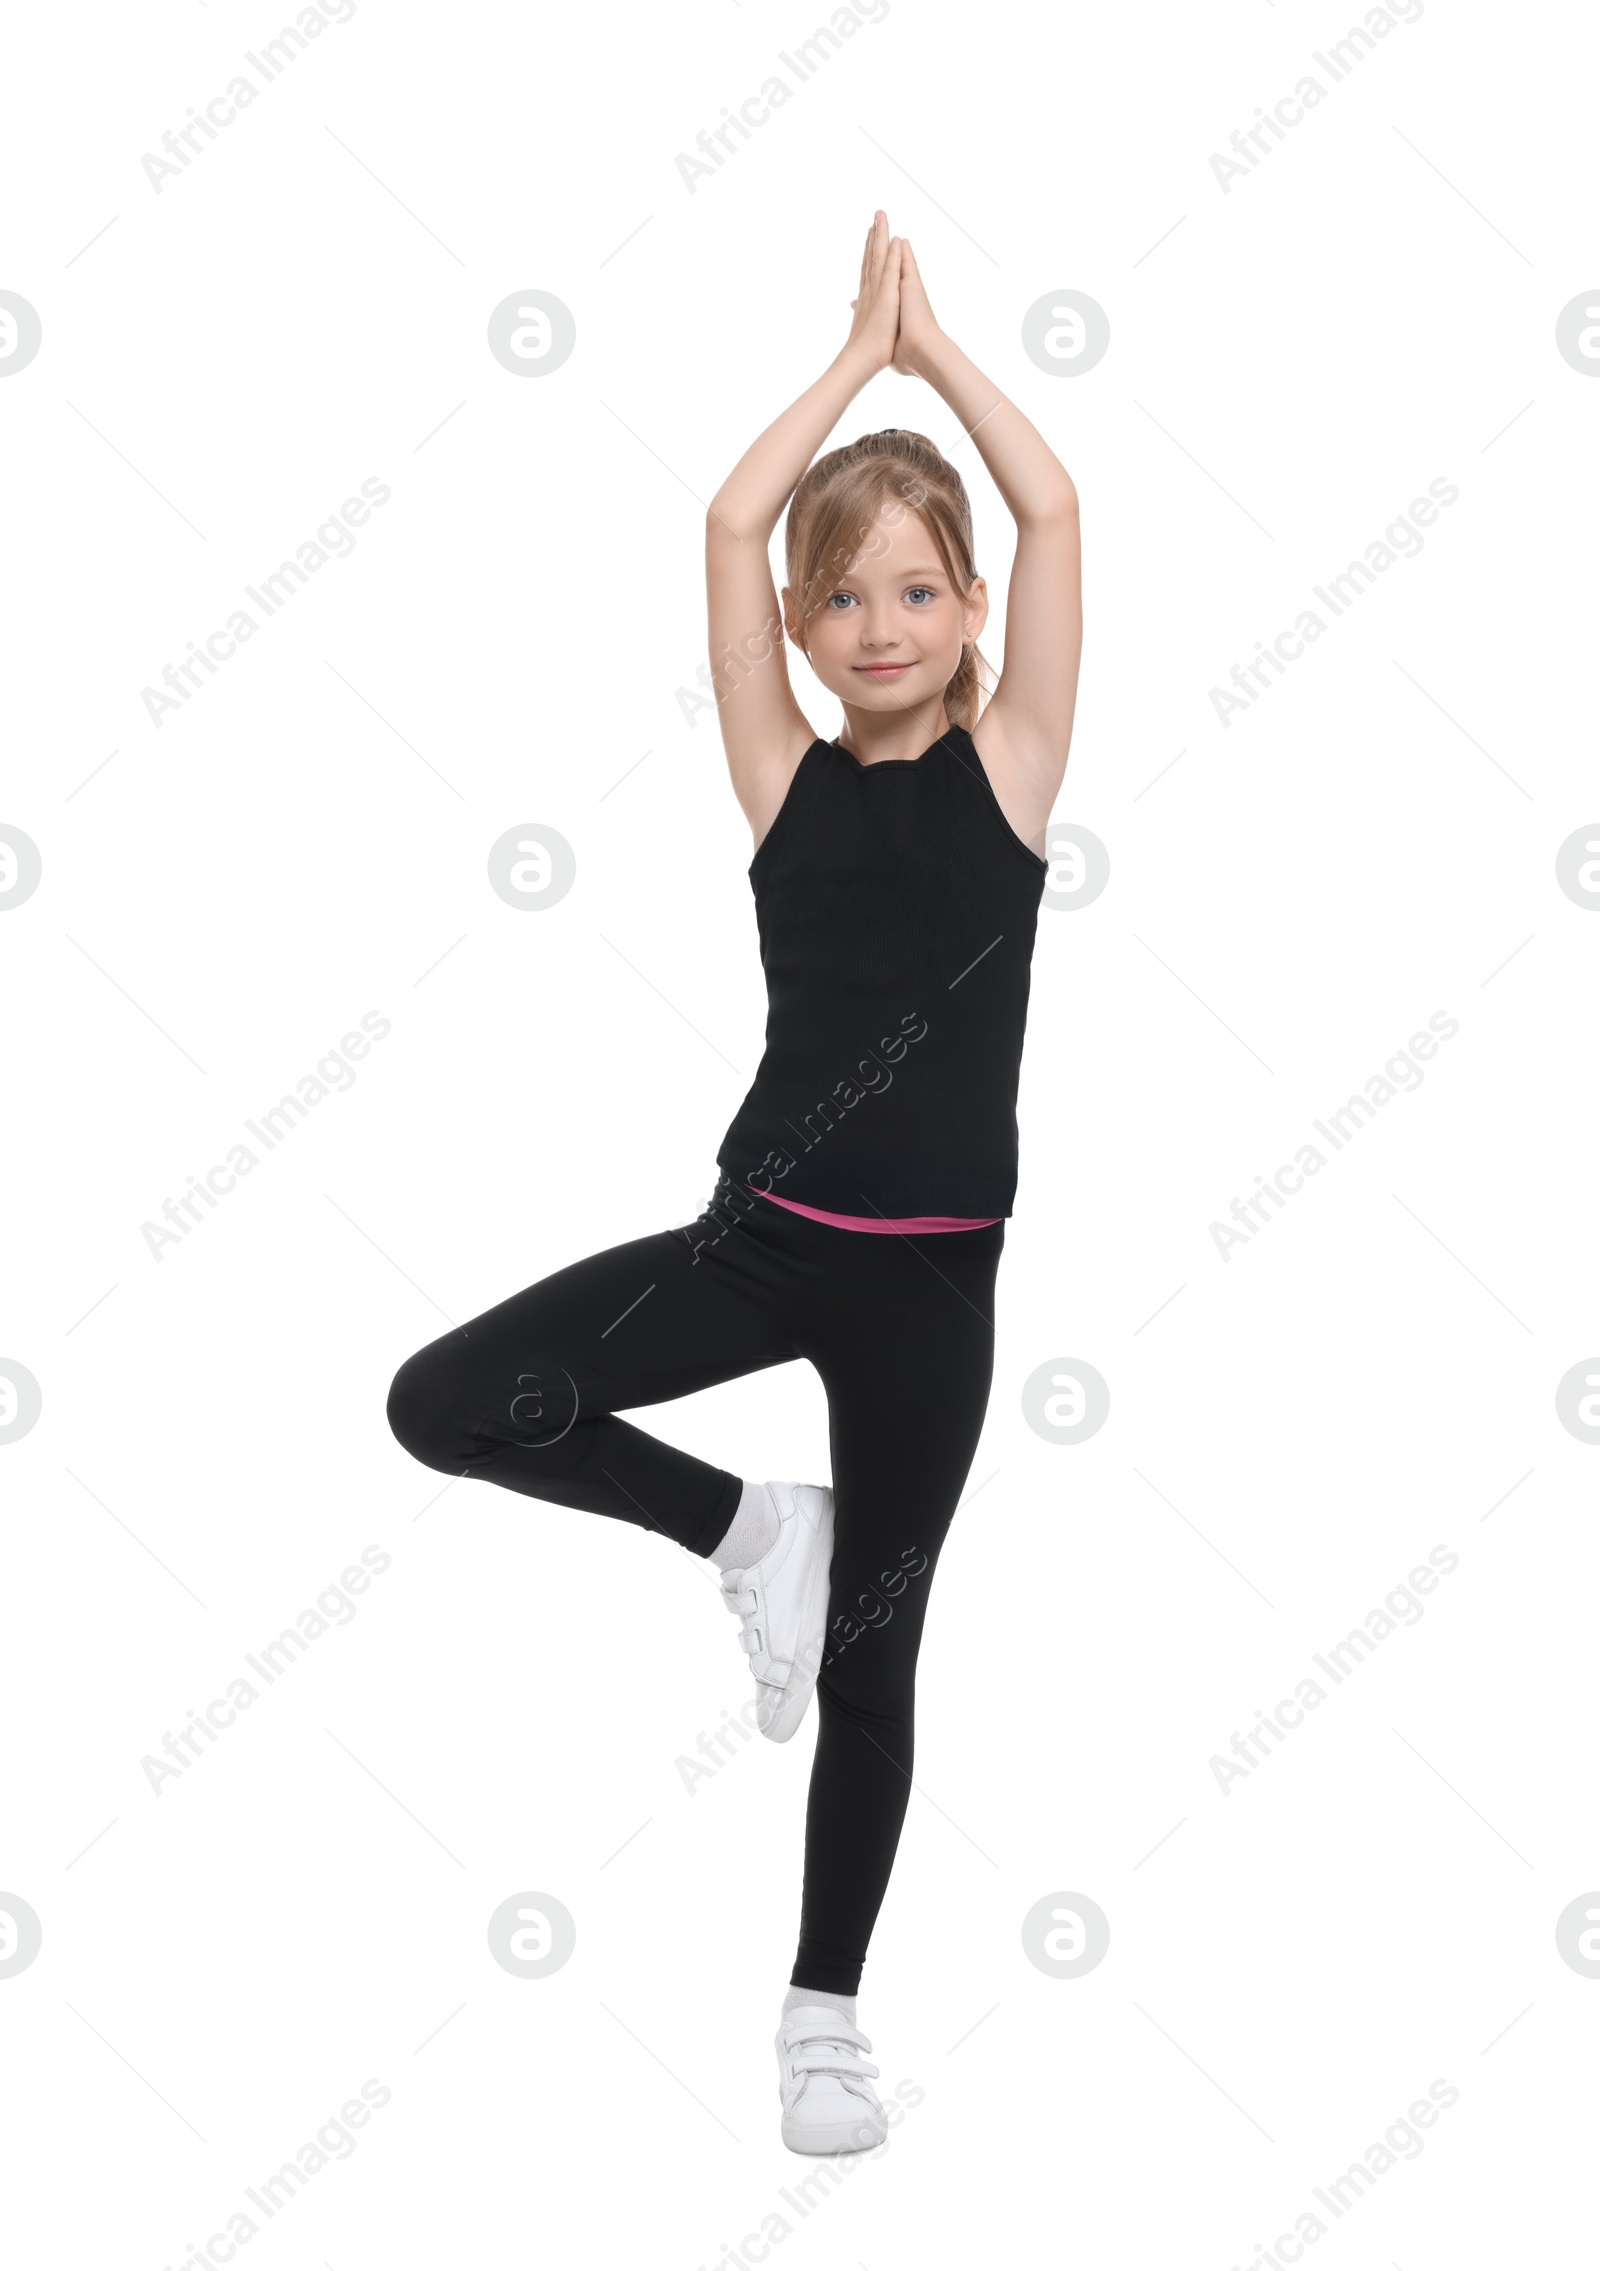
(889, 635)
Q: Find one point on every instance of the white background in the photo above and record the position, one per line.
(1372, 1376)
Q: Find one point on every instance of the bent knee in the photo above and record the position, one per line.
(449, 1411)
(421, 1417)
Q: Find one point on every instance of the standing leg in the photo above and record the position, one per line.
(906, 1353)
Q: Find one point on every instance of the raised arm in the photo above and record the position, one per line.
(764, 732)
(1026, 729)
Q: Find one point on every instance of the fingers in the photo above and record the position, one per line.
(909, 272)
(875, 247)
(868, 250)
(880, 264)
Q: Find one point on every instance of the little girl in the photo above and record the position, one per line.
(864, 1185)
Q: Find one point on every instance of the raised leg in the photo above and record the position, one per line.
(526, 1394)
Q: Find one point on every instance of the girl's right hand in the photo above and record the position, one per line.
(877, 305)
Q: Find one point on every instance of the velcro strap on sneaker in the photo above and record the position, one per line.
(823, 2026)
(822, 2060)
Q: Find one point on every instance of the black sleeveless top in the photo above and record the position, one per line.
(896, 908)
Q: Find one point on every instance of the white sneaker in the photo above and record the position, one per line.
(829, 2103)
(781, 1602)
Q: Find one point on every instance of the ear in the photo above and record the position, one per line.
(977, 609)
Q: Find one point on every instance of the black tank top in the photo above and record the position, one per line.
(896, 908)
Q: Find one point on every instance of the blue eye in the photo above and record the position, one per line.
(847, 597)
(926, 593)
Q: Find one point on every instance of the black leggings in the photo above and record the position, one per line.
(901, 1331)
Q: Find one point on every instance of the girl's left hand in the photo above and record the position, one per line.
(919, 332)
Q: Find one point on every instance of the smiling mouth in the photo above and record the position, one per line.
(881, 669)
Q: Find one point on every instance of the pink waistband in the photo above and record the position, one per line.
(883, 1222)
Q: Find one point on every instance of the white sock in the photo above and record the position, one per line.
(752, 1532)
(845, 2005)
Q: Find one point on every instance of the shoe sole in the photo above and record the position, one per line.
(839, 2137)
(797, 1695)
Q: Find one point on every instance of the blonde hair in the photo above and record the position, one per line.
(832, 514)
